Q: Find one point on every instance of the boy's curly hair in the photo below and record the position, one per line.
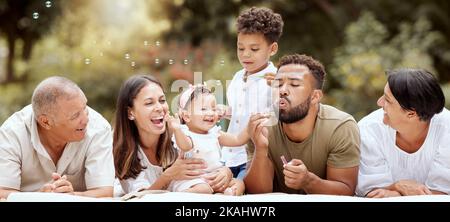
(261, 20)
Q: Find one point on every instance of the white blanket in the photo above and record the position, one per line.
(192, 197)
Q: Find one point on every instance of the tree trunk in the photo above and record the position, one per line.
(10, 61)
(27, 46)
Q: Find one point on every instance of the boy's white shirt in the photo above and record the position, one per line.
(245, 98)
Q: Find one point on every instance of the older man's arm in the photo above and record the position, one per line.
(97, 192)
(5, 192)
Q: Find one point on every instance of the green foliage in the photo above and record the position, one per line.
(446, 90)
(360, 63)
(14, 97)
(203, 32)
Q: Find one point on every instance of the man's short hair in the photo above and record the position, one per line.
(263, 21)
(316, 68)
(417, 90)
(49, 91)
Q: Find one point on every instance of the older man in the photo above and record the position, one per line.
(56, 144)
(314, 149)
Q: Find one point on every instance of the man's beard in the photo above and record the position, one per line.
(296, 113)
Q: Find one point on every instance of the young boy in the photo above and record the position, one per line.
(258, 32)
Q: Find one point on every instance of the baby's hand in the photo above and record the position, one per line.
(173, 122)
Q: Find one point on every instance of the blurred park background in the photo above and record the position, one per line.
(100, 43)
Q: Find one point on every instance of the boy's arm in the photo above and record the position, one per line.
(228, 139)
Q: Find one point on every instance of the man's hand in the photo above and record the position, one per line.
(295, 174)
(258, 131)
(48, 187)
(411, 187)
(61, 184)
(223, 111)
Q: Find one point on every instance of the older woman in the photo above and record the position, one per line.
(405, 146)
(144, 157)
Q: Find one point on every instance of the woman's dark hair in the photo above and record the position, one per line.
(126, 135)
(417, 90)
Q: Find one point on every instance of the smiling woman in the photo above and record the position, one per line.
(405, 145)
(143, 153)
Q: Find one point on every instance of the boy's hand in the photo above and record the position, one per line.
(223, 111)
(269, 78)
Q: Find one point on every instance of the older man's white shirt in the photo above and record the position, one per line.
(383, 163)
(25, 165)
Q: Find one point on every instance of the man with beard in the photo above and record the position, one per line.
(314, 149)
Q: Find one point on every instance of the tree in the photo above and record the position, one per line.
(24, 20)
(360, 63)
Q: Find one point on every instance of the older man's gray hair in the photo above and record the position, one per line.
(49, 91)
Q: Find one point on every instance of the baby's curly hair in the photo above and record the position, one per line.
(261, 20)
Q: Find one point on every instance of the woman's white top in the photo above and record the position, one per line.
(145, 179)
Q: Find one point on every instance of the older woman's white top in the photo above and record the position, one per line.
(383, 163)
